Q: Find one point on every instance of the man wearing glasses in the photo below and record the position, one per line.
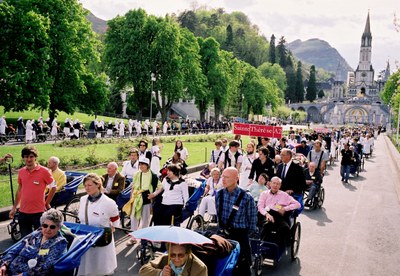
(143, 150)
(32, 182)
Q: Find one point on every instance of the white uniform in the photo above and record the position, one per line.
(3, 125)
(54, 128)
(184, 153)
(128, 169)
(155, 160)
(28, 131)
(99, 260)
(121, 129)
(245, 170)
(165, 128)
(155, 127)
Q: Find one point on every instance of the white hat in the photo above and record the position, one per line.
(144, 160)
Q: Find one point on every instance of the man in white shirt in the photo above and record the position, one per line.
(232, 157)
(131, 166)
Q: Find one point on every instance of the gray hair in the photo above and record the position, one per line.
(54, 215)
(55, 160)
(277, 179)
(113, 164)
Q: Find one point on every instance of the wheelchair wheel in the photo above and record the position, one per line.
(71, 210)
(145, 252)
(321, 197)
(196, 223)
(15, 232)
(296, 234)
(257, 266)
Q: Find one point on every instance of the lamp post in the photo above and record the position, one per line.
(153, 79)
(397, 129)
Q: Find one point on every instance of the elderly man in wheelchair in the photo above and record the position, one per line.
(313, 181)
(274, 210)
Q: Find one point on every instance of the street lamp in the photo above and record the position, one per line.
(153, 79)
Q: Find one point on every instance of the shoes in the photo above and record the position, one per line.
(131, 242)
(346, 181)
(214, 219)
(342, 179)
(307, 203)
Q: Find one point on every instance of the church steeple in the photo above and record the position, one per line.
(387, 72)
(366, 38)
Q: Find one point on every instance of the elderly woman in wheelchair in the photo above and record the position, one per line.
(274, 210)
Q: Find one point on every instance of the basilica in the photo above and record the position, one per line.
(356, 100)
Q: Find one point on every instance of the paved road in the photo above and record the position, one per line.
(355, 233)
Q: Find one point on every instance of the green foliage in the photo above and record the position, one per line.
(272, 50)
(311, 94)
(234, 32)
(53, 59)
(282, 52)
(299, 93)
(282, 112)
(275, 73)
(321, 94)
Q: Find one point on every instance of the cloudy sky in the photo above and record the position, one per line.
(340, 23)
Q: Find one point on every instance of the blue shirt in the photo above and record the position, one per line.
(246, 216)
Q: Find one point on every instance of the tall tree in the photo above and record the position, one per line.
(166, 61)
(311, 94)
(299, 94)
(188, 19)
(290, 93)
(282, 52)
(228, 45)
(276, 73)
(25, 48)
(127, 44)
(71, 47)
(194, 80)
(272, 50)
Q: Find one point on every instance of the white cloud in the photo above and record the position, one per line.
(339, 22)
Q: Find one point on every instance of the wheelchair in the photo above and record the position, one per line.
(317, 201)
(271, 252)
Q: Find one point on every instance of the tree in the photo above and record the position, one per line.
(188, 19)
(58, 55)
(228, 46)
(299, 94)
(272, 50)
(214, 69)
(321, 94)
(276, 73)
(127, 45)
(25, 48)
(166, 63)
(282, 52)
(311, 94)
(290, 93)
(194, 80)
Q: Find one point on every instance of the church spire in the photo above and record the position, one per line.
(387, 72)
(366, 38)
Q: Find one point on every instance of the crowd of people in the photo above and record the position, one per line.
(248, 190)
(40, 130)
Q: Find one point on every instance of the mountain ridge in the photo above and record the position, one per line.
(320, 53)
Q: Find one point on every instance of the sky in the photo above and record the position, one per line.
(340, 22)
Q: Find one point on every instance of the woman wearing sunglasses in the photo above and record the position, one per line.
(37, 252)
(181, 262)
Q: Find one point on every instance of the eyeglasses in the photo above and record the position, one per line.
(179, 255)
(52, 227)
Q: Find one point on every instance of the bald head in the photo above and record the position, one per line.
(112, 168)
(230, 177)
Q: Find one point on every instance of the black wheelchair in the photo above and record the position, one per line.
(317, 201)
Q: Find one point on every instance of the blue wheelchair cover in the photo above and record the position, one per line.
(72, 258)
(226, 265)
(193, 201)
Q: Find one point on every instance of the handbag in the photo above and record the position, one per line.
(106, 237)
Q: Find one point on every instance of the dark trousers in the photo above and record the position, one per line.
(243, 266)
(277, 232)
(167, 211)
(28, 223)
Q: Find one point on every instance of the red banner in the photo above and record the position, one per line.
(257, 130)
